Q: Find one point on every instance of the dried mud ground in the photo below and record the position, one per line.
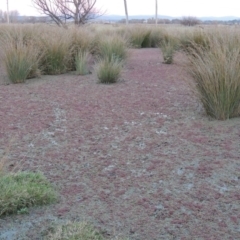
(138, 159)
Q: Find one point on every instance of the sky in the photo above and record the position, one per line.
(174, 8)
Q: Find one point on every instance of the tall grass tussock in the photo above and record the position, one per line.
(21, 62)
(213, 56)
(139, 37)
(20, 54)
(168, 49)
(81, 61)
(108, 70)
(112, 46)
(57, 53)
(216, 74)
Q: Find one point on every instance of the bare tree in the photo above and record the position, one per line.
(80, 11)
(126, 11)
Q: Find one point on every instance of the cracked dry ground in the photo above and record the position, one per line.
(138, 158)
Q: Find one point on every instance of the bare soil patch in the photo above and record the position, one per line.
(138, 158)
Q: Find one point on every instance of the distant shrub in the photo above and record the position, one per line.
(189, 21)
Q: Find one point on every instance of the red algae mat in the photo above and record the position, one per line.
(138, 159)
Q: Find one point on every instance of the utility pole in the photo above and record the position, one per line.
(7, 13)
(126, 11)
(156, 13)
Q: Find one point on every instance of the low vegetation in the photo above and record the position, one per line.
(56, 53)
(81, 61)
(76, 231)
(168, 49)
(29, 52)
(22, 190)
(213, 64)
(108, 70)
(190, 21)
(139, 37)
(113, 47)
(216, 75)
(21, 62)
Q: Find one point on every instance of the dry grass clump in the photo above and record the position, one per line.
(20, 55)
(81, 62)
(15, 33)
(112, 46)
(81, 47)
(216, 74)
(76, 231)
(21, 61)
(168, 49)
(108, 70)
(57, 52)
(81, 39)
(112, 51)
(191, 39)
(139, 37)
(157, 36)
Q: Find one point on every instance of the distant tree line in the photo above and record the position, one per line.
(185, 21)
(13, 16)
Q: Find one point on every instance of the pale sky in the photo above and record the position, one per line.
(175, 8)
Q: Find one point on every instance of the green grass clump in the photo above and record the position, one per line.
(109, 70)
(20, 53)
(57, 53)
(168, 49)
(190, 40)
(74, 231)
(140, 37)
(81, 62)
(81, 39)
(21, 62)
(22, 190)
(112, 46)
(216, 75)
(156, 37)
